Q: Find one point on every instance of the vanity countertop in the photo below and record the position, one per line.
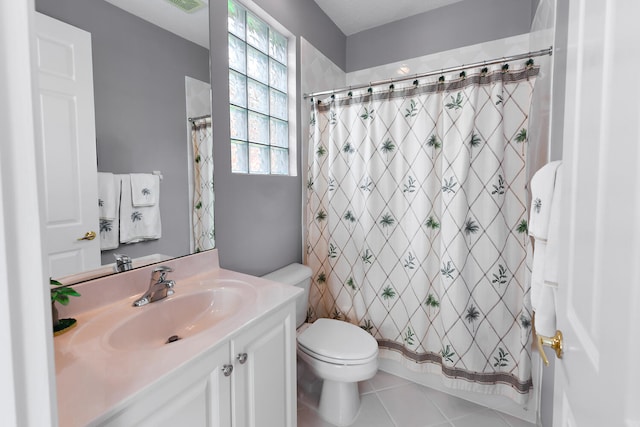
(94, 379)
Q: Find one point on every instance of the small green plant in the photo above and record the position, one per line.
(62, 293)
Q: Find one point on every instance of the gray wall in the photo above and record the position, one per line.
(139, 87)
(305, 18)
(259, 218)
(460, 24)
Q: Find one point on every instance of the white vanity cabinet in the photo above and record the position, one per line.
(246, 381)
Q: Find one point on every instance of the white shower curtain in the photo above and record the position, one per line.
(203, 190)
(416, 224)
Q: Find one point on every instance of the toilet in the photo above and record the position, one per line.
(339, 353)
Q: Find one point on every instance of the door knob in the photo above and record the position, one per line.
(555, 342)
(89, 235)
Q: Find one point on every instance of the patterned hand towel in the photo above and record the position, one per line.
(553, 239)
(542, 185)
(138, 223)
(144, 189)
(109, 226)
(107, 195)
(545, 208)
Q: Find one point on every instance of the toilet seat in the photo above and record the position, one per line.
(337, 342)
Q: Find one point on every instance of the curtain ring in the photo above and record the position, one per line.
(505, 65)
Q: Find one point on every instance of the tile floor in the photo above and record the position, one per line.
(390, 401)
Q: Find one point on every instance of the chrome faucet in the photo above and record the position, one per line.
(159, 287)
(123, 262)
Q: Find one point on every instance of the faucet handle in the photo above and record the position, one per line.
(160, 271)
(123, 262)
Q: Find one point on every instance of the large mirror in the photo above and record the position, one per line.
(150, 75)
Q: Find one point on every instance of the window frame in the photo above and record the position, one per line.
(291, 65)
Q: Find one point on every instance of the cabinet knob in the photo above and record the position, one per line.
(227, 369)
(242, 358)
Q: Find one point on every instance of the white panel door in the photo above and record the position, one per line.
(68, 141)
(599, 286)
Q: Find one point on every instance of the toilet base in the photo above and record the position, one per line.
(339, 402)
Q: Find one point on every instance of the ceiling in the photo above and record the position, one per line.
(191, 26)
(351, 16)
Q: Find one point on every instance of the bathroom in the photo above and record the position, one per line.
(258, 218)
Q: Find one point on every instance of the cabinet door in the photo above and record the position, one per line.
(195, 395)
(218, 390)
(263, 387)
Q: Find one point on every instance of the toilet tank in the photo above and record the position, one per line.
(295, 275)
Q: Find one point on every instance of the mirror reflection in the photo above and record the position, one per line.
(150, 76)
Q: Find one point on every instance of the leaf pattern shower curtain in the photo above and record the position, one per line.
(416, 225)
(203, 191)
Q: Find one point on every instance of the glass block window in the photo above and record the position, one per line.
(258, 95)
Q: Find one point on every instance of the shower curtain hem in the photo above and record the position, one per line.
(458, 383)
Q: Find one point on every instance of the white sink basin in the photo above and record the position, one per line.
(176, 317)
(190, 311)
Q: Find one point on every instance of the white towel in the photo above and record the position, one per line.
(553, 240)
(138, 223)
(145, 189)
(542, 185)
(110, 227)
(545, 210)
(107, 195)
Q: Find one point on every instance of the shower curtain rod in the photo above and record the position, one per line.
(542, 52)
(193, 119)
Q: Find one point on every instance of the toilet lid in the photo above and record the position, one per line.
(338, 340)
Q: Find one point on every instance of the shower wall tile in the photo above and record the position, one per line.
(198, 97)
(446, 59)
(542, 36)
(318, 72)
